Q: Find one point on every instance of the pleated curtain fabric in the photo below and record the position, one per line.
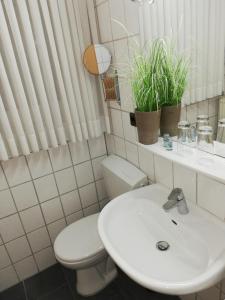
(46, 96)
(197, 28)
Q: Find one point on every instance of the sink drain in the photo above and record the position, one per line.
(162, 246)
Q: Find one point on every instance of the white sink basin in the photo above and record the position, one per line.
(131, 225)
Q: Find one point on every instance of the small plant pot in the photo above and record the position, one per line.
(170, 116)
(148, 126)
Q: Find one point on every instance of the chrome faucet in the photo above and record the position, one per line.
(176, 198)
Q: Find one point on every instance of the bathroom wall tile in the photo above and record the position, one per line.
(46, 187)
(192, 113)
(146, 161)
(24, 195)
(120, 147)
(39, 164)
(52, 210)
(32, 218)
(132, 153)
(65, 180)
(97, 146)
(101, 190)
(121, 52)
(55, 228)
(26, 268)
(1, 241)
(186, 179)
(3, 183)
(163, 171)
(7, 206)
(110, 143)
(213, 106)
(93, 209)
(39, 239)
(84, 173)
(188, 297)
(18, 249)
(16, 170)
(45, 258)
(79, 152)
(117, 14)
(88, 195)
(203, 107)
(211, 196)
(104, 22)
(130, 132)
(74, 217)
(127, 103)
(103, 203)
(117, 125)
(11, 228)
(8, 278)
(97, 168)
(71, 202)
(132, 17)
(60, 158)
(4, 258)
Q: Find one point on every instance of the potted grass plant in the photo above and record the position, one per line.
(144, 81)
(171, 87)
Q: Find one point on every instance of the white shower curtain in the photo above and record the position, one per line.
(47, 98)
(197, 27)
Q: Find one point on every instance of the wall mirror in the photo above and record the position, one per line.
(97, 59)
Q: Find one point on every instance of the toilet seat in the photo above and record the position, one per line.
(79, 243)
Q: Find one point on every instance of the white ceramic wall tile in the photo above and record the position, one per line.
(97, 146)
(88, 195)
(8, 278)
(120, 147)
(74, 217)
(126, 96)
(110, 143)
(3, 183)
(60, 158)
(39, 164)
(26, 268)
(103, 203)
(121, 52)
(4, 258)
(39, 239)
(32, 218)
(16, 170)
(192, 113)
(18, 249)
(1, 241)
(130, 132)
(84, 173)
(11, 228)
(93, 209)
(65, 180)
(79, 152)
(7, 206)
(24, 195)
(117, 125)
(213, 106)
(203, 107)
(104, 22)
(97, 168)
(146, 161)
(71, 202)
(186, 179)
(45, 258)
(163, 171)
(46, 187)
(101, 190)
(52, 210)
(117, 15)
(55, 228)
(132, 17)
(132, 153)
(211, 196)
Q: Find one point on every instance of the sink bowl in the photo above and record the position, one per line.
(132, 224)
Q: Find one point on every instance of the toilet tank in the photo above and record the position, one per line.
(120, 176)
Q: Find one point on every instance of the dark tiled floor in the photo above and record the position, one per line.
(58, 283)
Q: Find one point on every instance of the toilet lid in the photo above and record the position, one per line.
(79, 240)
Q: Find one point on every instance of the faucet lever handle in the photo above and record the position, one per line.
(176, 194)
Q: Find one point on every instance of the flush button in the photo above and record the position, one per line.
(162, 246)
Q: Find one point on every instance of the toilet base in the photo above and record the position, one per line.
(92, 280)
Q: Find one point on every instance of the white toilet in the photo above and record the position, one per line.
(79, 246)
